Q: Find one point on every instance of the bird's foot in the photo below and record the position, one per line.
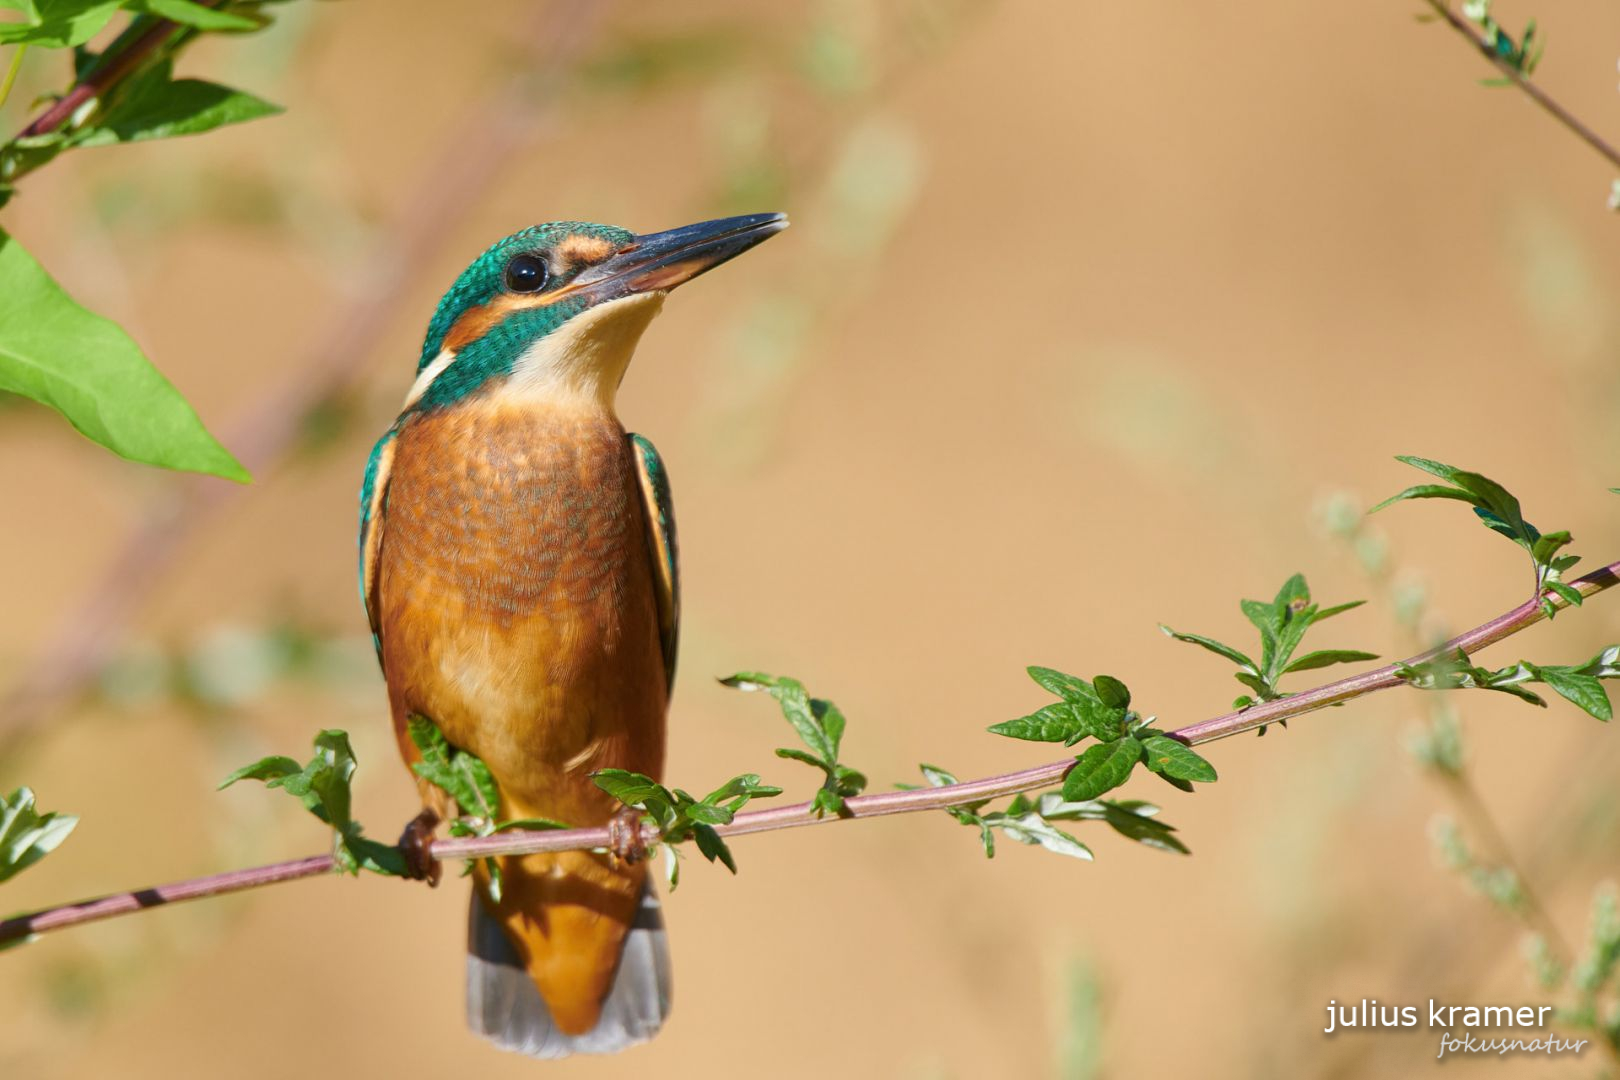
(625, 842)
(415, 843)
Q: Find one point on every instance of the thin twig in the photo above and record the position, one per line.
(880, 804)
(494, 129)
(1523, 82)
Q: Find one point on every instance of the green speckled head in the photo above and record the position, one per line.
(529, 285)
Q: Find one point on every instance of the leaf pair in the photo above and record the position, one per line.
(1282, 624)
(1100, 710)
(323, 786)
(679, 816)
(820, 725)
(1499, 510)
(1029, 821)
(1577, 683)
(26, 835)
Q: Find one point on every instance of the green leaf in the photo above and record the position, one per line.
(58, 24)
(937, 777)
(26, 835)
(1584, 691)
(1337, 609)
(1565, 592)
(1425, 491)
(86, 367)
(269, 768)
(191, 14)
(1176, 759)
(713, 848)
(1068, 687)
(1134, 820)
(154, 106)
(1111, 692)
(1324, 657)
(1213, 646)
(1057, 722)
(1033, 829)
(323, 785)
(1101, 769)
(630, 788)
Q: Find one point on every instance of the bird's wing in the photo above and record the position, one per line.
(373, 506)
(661, 545)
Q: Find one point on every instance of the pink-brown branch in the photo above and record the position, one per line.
(880, 804)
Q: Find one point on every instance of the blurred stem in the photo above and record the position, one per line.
(11, 73)
(881, 804)
(1523, 82)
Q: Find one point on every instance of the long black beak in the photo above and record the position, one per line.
(660, 261)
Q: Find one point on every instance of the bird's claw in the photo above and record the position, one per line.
(416, 843)
(625, 842)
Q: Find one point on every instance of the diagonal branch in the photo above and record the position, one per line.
(880, 804)
(1523, 82)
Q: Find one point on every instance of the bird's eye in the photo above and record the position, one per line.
(526, 273)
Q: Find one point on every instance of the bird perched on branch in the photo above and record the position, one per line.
(518, 566)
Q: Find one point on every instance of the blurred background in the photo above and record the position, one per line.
(1091, 317)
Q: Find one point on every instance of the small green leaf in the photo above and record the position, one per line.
(1111, 692)
(58, 24)
(154, 105)
(269, 768)
(1564, 592)
(1033, 829)
(713, 848)
(1054, 723)
(936, 776)
(26, 835)
(1425, 491)
(630, 788)
(1213, 646)
(1584, 691)
(1068, 687)
(191, 14)
(1176, 759)
(1324, 657)
(1101, 769)
(86, 367)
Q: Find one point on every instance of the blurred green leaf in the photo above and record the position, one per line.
(154, 106)
(188, 13)
(57, 24)
(26, 835)
(1324, 657)
(88, 369)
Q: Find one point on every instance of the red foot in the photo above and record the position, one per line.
(414, 844)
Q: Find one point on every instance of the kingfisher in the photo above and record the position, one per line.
(518, 567)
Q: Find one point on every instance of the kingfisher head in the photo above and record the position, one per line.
(556, 310)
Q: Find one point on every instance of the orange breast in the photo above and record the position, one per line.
(517, 611)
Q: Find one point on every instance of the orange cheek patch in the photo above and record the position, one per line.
(475, 322)
(580, 248)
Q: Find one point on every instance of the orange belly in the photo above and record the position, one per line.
(517, 611)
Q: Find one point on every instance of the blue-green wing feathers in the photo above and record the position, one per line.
(661, 546)
(373, 504)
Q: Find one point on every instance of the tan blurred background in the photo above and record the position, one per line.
(1085, 310)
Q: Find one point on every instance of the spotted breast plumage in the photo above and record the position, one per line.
(518, 565)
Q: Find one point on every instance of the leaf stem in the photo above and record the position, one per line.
(1523, 82)
(11, 72)
(880, 804)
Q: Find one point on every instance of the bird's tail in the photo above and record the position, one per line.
(505, 1006)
